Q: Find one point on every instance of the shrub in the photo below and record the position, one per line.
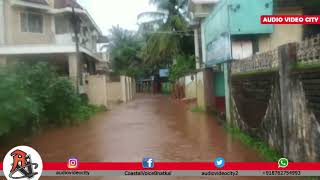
(34, 95)
(55, 96)
(197, 109)
(62, 102)
(17, 109)
(262, 147)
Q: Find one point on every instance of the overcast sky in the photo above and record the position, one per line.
(107, 13)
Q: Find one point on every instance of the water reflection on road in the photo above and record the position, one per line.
(148, 126)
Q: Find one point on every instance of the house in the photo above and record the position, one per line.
(198, 11)
(228, 33)
(44, 30)
(233, 31)
(283, 34)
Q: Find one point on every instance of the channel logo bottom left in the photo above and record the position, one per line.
(22, 162)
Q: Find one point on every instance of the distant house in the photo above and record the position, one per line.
(43, 30)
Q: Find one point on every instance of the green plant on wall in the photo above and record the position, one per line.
(256, 143)
(183, 66)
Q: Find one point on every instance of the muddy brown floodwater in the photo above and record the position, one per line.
(150, 125)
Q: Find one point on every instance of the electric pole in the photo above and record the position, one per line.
(76, 29)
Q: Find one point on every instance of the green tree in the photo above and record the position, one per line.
(172, 37)
(123, 48)
(183, 66)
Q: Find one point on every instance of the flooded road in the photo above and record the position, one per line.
(153, 126)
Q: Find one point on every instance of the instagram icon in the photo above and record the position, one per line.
(72, 163)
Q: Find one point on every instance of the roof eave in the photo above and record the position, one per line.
(29, 4)
(79, 11)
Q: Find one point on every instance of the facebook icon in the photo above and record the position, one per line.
(147, 162)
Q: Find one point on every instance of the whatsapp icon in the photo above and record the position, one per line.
(283, 163)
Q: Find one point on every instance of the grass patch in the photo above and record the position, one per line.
(312, 178)
(259, 145)
(252, 73)
(306, 66)
(86, 111)
(197, 109)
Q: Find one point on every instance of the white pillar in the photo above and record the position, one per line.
(203, 45)
(227, 90)
(134, 88)
(131, 89)
(123, 88)
(196, 48)
(127, 89)
(3, 60)
(73, 68)
(2, 26)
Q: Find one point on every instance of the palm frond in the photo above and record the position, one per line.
(166, 42)
(155, 15)
(182, 3)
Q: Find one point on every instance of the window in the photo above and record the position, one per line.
(62, 24)
(242, 49)
(31, 22)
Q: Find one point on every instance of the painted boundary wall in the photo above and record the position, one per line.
(102, 92)
(275, 96)
(204, 89)
(96, 90)
(190, 85)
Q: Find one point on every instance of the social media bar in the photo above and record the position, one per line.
(178, 173)
(150, 167)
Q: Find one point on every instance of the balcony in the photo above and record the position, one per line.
(201, 8)
(69, 39)
(64, 39)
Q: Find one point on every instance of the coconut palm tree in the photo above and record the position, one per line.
(166, 41)
(123, 47)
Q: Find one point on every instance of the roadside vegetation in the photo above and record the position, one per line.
(34, 96)
(124, 47)
(183, 66)
(163, 41)
(257, 144)
(197, 109)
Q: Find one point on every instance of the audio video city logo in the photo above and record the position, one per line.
(22, 162)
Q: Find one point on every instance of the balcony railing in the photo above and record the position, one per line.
(308, 51)
(259, 62)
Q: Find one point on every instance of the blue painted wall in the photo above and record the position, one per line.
(233, 17)
(219, 89)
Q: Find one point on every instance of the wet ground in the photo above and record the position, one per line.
(153, 126)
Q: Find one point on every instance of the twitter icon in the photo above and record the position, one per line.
(219, 162)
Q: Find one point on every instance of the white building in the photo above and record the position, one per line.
(43, 30)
